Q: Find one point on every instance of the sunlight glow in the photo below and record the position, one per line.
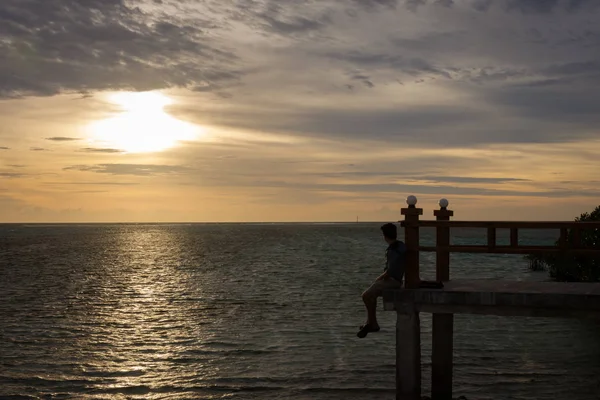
(142, 126)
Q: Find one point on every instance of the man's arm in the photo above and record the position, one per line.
(383, 276)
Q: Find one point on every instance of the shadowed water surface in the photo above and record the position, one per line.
(251, 312)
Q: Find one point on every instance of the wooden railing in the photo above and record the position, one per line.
(514, 247)
(569, 240)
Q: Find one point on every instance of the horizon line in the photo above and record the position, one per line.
(190, 222)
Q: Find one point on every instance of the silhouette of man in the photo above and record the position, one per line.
(393, 274)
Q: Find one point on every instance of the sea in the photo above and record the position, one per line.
(253, 311)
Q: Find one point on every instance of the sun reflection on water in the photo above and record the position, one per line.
(147, 328)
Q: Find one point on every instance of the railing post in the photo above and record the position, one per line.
(514, 237)
(442, 263)
(408, 325)
(411, 239)
(443, 324)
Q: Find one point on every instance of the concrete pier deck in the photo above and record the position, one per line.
(498, 297)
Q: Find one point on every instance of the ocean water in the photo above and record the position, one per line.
(251, 312)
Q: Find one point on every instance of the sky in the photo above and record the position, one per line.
(289, 110)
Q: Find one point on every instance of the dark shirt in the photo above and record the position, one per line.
(395, 260)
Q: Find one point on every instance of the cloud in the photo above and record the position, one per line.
(382, 188)
(364, 79)
(468, 179)
(444, 3)
(4, 148)
(371, 4)
(99, 183)
(100, 150)
(432, 125)
(397, 125)
(533, 7)
(482, 5)
(412, 66)
(129, 169)
(470, 77)
(416, 177)
(52, 46)
(548, 6)
(10, 175)
(62, 139)
(38, 149)
(413, 5)
(294, 24)
(86, 45)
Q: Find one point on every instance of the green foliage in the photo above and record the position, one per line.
(571, 267)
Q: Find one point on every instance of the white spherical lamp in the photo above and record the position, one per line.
(444, 203)
(411, 201)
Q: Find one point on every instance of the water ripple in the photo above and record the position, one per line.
(249, 312)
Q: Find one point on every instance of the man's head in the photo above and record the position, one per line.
(390, 233)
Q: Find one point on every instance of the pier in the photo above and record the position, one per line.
(487, 297)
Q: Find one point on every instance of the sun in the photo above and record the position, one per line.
(142, 125)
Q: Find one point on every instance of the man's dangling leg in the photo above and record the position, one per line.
(371, 305)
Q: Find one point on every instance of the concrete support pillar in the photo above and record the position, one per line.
(408, 355)
(441, 356)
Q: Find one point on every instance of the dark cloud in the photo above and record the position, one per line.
(540, 83)
(416, 177)
(11, 175)
(381, 188)
(529, 7)
(523, 6)
(408, 65)
(575, 5)
(589, 68)
(467, 179)
(99, 150)
(294, 24)
(4, 148)
(413, 5)
(573, 105)
(364, 79)
(129, 169)
(284, 18)
(51, 46)
(434, 41)
(374, 4)
(549, 6)
(482, 5)
(435, 126)
(394, 125)
(37, 149)
(62, 139)
(108, 183)
(532, 6)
